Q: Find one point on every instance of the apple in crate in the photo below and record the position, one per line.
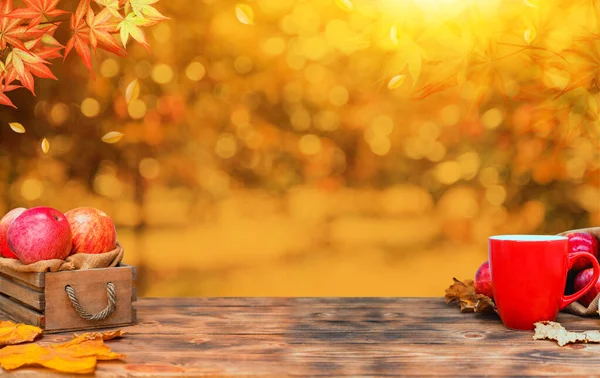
(93, 230)
(582, 242)
(581, 279)
(40, 233)
(4, 223)
(483, 280)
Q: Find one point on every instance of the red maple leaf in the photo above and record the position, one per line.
(11, 32)
(23, 65)
(36, 10)
(4, 100)
(81, 35)
(100, 29)
(42, 50)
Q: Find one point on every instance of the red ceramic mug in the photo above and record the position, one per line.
(529, 274)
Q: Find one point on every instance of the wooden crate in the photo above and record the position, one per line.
(41, 299)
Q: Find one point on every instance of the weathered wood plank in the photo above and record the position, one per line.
(23, 293)
(333, 337)
(20, 313)
(34, 279)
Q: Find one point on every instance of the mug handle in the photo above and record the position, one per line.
(567, 300)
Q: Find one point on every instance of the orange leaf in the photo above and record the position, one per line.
(79, 355)
(11, 333)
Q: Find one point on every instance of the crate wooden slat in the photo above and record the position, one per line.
(40, 298)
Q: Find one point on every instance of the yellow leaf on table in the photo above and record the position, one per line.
(345, 5)
(79, 355)
(244, 14)
(12, 333)
(132, 92)
(112, 137)
(396, 81)
(45, 145)
(529, 35)
(17, 127)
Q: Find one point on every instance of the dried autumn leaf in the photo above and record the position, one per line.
(529, 35)
(345, 5)
(112, 137)
(555, 331)
(244, 14)
(17, 127)
(132, 92)
(79, 355)
(12, 333)
(469, 301)
(45, 145)
(396, 81)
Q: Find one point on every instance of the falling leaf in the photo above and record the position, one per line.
(345, 5)
(17, 127)
(244, 14)
(529, 35)
(555, 331)
(12, 333)
(396, 81)
(79, 355)
(468, 299)
(133, 91)
(531, 3)
(394, 35)
(45, 145)
(112, 137)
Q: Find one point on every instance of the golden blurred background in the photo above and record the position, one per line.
(322, 147)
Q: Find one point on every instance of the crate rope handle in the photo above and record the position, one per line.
(108, 310)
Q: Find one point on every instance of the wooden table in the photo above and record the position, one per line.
(332, 336)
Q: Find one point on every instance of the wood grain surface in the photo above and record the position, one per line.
(198, 337)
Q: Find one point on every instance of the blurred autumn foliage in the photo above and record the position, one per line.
(343, 147)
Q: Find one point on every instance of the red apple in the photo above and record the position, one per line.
(93, 231)
(4, 223)
(483, 280)
(582, 242)
(40, 233)
(581, 279)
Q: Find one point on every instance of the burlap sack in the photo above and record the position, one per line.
(74, 262)
(576, 307)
